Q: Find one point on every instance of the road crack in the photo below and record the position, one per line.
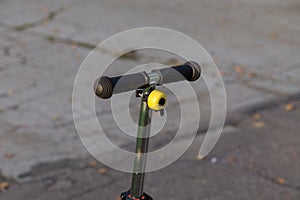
(50, 17)
(276, 182)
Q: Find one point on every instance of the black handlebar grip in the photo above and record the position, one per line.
(105, 86)
(190, 71)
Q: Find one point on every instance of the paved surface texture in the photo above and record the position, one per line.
(257, 159)
(42, 43)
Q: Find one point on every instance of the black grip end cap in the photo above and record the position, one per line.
(103, 87)
(196, 70)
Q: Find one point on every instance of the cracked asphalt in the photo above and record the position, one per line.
(249, 162)
(254, 43)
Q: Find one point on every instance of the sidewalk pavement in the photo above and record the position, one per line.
(257, 158)
(42, 44)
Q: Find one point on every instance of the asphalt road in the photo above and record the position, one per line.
(257, 158)
(255, 45)
(42, 44)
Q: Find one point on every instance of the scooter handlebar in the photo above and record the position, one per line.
(105, 86)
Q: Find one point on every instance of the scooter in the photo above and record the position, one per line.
(145, 83)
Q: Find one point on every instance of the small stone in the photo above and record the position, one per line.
(213, 160)
(199, 157)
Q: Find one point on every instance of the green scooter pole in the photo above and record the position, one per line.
(142, 141)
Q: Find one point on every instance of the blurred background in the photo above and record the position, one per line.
(255, 44)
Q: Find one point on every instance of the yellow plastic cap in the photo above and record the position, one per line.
(157, 100)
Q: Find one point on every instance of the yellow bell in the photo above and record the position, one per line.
(157, 100)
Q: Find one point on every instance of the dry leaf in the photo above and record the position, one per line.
(173, 61)
(10, 92)
(74, 46)
(281, 181)
(132, 55)
(238, 69)
(231, 159)
(274, 35)
(259, 124)
(251, 74)
(56, 31)
(57, 118)
(223, 73)
(4, 185)
(256, 116)
(102, 171)
(9, 155)
(290, 107)
(93, 163)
